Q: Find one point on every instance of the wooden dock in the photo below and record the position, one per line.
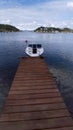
(34, 102)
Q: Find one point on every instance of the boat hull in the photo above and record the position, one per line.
(34, 52)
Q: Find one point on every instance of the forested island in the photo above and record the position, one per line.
(8, 28)
(53, 29)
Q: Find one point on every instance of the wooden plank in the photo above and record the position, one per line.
(34, 91)
(34, 101)
(37, 124)
(36, 107)
(33, 96)
(26, 87)
(34, 115)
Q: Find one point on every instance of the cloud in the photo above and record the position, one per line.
(31, 25)
(7, 21)
(50, 13)
(70, 4)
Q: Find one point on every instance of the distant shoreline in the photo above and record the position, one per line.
(8, 28)
(53, 30)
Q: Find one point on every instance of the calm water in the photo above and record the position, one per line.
(58, 55)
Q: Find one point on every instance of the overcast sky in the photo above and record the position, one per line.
(30, 14)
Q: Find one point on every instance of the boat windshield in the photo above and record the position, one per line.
(39, 46)
(35, 46)
(30, 45)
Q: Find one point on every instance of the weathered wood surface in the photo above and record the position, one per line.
(34, 102)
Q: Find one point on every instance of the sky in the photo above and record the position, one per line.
(30, 14)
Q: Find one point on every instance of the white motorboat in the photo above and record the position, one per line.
(34, 50)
